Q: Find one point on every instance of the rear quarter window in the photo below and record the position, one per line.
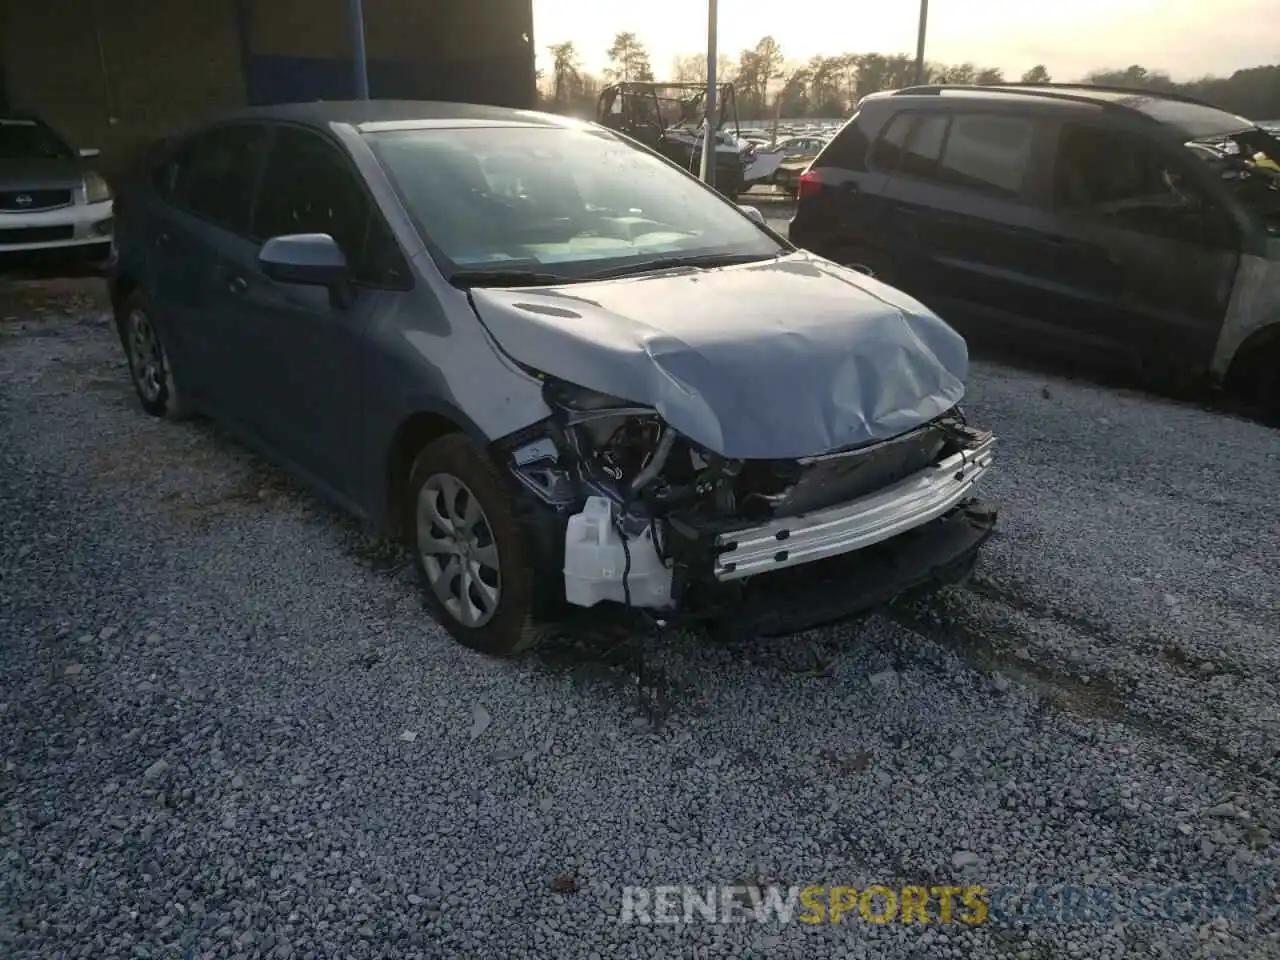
(848, 149)
(167, 165)
(888, 150)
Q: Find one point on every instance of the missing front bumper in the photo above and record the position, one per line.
(792, 541)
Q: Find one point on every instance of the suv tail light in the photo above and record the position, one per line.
(810, 184)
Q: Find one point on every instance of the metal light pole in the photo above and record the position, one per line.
(924, 17)
(709, 136)
(355, 13)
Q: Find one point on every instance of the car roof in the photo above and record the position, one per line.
(1191, 118)
(369, 115)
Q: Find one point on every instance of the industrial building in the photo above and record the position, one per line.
(116, 74)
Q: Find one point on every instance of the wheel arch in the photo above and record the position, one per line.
(1257, 348)
(425, 424)
(122, 285)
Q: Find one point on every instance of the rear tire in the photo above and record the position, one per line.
(473, 562)
(1258, 383)
(149, 368)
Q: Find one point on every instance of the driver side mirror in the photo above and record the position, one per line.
(752, 212)
(314, 259)
(310, 258)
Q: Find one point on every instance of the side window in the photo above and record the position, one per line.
(988, 154)
(309, 187)
(217, 182)
(886, 155)
(1129, 182)
(924, 146)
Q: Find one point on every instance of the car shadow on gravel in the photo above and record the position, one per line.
(678, 671)
(1118, 378)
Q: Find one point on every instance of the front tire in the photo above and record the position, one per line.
(470, 552)
(149, 368)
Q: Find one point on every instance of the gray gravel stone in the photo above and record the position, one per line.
(227, 759)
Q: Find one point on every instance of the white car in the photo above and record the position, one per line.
(50, 201)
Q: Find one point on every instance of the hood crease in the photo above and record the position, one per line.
(793, 358)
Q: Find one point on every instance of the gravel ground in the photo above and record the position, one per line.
(229, 730)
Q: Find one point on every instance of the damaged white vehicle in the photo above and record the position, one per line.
(567, 372)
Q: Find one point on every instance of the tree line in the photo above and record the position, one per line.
(767, 84)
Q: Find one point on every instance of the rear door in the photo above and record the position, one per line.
(1145, 254)
(965, 235)
(201, 247)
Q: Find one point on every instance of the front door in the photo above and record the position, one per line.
(1145, 257)
(308, 345)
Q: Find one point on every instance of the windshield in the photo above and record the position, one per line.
(569, 202)
(23, 139)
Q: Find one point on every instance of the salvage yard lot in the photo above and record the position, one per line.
(229, 729)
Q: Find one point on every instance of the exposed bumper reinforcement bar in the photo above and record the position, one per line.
(829, 591)
(791, 541)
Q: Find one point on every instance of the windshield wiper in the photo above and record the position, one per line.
(704, 261)
(504, 278)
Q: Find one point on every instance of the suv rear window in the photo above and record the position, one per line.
(985, 153)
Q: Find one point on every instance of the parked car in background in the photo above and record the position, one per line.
(795, 147)
(561, 368)
(796, 154)
(51, 201)
(1068, 217)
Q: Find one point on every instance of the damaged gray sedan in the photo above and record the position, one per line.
(562, 369)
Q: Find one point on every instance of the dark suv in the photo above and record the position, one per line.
(1134, 226)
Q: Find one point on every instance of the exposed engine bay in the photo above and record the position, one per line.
(649, 515)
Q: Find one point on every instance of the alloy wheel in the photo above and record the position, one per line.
(146, 357)
(458, 550)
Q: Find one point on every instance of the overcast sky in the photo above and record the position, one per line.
(1186, 38)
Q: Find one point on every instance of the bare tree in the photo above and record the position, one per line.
(828, 86)
(565, 72)
(692, 68)
(628, 58)
(757, 69)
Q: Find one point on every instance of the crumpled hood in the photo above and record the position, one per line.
(781, 359)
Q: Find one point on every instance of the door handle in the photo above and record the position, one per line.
(237, 283)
